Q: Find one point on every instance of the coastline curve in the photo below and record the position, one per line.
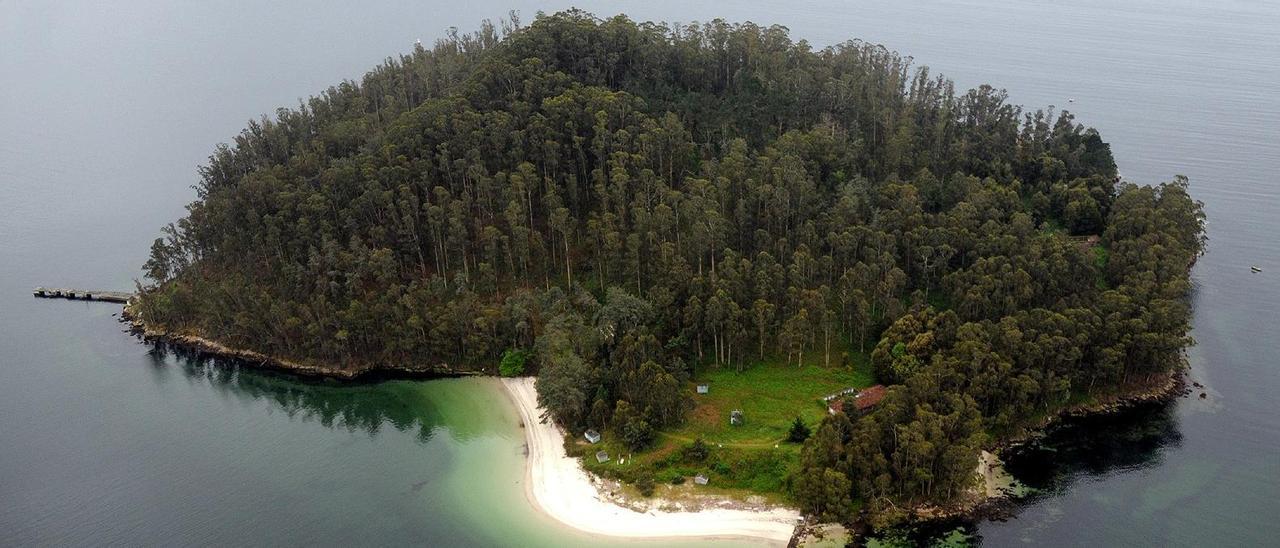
(558, 486)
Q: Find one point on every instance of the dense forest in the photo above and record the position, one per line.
(612, 204)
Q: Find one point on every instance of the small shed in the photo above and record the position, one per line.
(592, 436)
(701, 479)
(735, 417)
(703, 388)
(602, 456)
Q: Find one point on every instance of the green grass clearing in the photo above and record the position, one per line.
(770, 395)
(748, 460)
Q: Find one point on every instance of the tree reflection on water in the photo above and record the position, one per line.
(1078, 448)
(366, 406)
(1096, 446)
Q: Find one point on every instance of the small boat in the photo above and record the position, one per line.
(1071, 100)
(1255, 269)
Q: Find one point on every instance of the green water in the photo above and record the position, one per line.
(159, 449)
(108, 441)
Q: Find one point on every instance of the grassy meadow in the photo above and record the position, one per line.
(753, 458)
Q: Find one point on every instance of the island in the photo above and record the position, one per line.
(750, 276)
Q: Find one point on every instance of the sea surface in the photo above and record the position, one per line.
(106, 109)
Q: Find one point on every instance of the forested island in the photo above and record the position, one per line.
(629, 210)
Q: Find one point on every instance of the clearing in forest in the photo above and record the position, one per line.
(770, 395)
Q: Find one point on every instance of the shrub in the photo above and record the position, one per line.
(637, 433)
(645, 484)
(697, 451)
(512, 364)
(677, 480)
(799, 431)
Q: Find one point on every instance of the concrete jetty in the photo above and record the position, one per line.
(82, 294)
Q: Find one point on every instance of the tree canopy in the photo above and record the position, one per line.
(620, 202)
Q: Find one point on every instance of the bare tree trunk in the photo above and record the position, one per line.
(567, 272)
(826, 343)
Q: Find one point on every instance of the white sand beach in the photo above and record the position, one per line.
(559, 486)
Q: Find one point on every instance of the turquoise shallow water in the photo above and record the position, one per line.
(107, 109)
(110, 442)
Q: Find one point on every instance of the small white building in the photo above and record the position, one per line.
(701, 479)
(592, 436)
(703, 388)
(602, 456)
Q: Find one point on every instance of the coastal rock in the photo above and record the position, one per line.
(205, 348)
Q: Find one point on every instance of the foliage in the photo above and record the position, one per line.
(635, 430)
(799, 431)
(512, 364)
(645, 484)
(697, 451)
(631, 201)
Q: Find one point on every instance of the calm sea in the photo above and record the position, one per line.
(107, 108)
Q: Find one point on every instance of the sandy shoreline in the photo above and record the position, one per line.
(558, 486)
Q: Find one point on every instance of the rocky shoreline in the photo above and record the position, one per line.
(987, 504)
(1165, 388)
(207, 348)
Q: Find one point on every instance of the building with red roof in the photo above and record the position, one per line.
(863, 400)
